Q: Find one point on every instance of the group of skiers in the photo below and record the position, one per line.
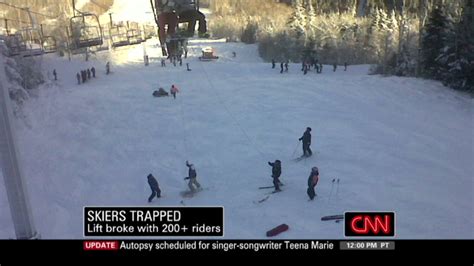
(314, 175)
(276, 173)
(193, 184)
(175, 60)
(84, 75)
(306, 66)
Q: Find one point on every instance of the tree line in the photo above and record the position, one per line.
(425, 38)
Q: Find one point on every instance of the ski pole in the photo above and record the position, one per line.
(337, 188)
(297, 144)
(332, 186)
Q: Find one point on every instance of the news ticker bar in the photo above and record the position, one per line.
(240, 245)
(153, 221)
(208, 245)
(49, 250)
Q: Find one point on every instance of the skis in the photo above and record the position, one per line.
(261, 200)
(269, 186)
(299, 158)
(267, 195)
(189, 193)
(333, 217)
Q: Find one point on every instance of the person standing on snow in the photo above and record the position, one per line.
(312, 182)
(174, 90)
(78, 78)
(155, 188)
(306, 138)
(192, 176)
(276, 172)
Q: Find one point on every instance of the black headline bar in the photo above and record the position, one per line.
(153, 221)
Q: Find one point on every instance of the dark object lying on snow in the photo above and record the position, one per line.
(277, 230)
(160, 93)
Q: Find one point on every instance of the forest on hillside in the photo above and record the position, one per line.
(424, 38)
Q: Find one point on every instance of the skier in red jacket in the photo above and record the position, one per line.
(312, 182)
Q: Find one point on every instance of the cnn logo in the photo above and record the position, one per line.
(369, 224)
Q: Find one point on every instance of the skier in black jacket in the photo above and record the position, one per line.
(276, 172)
(192, 175)
(306, 138)
(155, 188)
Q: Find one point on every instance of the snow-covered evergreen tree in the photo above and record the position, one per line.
(434, 44)
(298, 19)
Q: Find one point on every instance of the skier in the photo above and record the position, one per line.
(187, 66)
(286, 65)
(84, 76)
(193, 184)
(306, 138)
(107, 68)
(320, 68)
(281, 66)
(88, 73)
(234, 54)
(174, 90)
(312, 182)
(334, 67)
(163, 63)
(316, 66)
(155, 188)
(276, 172)
(93, 72)
(55, 74)
(78, 76)
(146, 60)
(345, 66)
(273, 63)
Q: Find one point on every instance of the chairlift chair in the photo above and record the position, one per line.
(84, 35)
(32, 41)
(118, 35)
(49, 44)
(15, 44)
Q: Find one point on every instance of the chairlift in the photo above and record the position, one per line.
(157, 6)
(33, 42)
(48, 42)
(118, 35)
(85, 34)
(15, 44)
(134, 34)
